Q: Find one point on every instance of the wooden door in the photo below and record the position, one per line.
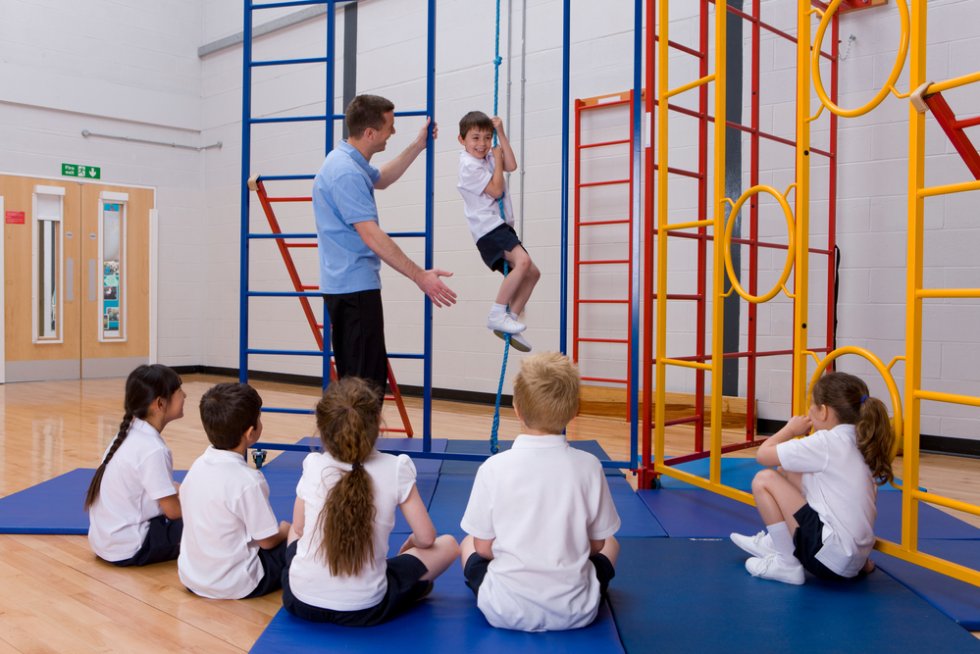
(40, 277)
(76, 277)
(115, 255)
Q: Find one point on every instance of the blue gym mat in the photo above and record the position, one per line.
(55, 506)
(446, 621)
(736, 472)
(702, 514)
(959, 600)
(679, 595)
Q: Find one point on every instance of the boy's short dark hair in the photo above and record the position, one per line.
(474, 120)
(366, 111)
(227, 411)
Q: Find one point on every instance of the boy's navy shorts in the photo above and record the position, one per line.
(495, 243)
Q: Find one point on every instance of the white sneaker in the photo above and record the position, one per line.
(517, 341)
(504, 323)
(773, 567)
(758, 545)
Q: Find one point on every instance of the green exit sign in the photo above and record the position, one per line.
(80, 170)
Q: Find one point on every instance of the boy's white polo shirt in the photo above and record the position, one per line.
(540, 502)
(482, 211)
(226, 509)
(140, 473)
(838, 485)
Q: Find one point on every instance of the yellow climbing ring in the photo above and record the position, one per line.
(903, 48)
(885, 375)
(790, 250)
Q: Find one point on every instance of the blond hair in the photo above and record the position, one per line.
(546, 391)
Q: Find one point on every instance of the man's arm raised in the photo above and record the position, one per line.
(391, 171)
(389, 252)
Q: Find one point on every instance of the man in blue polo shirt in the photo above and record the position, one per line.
(352, 245)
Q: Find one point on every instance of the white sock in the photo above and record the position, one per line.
(498, 310)
(782, 541)
(513, 316)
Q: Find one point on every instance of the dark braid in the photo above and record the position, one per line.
(143, 386)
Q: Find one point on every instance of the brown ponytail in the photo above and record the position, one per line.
(848, 396)
(348, 419)
(144, 385)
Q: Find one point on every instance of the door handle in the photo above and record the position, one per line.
(91, 280)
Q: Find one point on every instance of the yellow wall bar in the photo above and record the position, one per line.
(701, 482)
(801, 273)
(913, 303)
(718, 243)
(948, 502)
(936, 564)
(937, 396)
(688, 364)
(939, 87)
(692, 85)
(949, 188)
(660, 337)
(949, 292)
(692, 224)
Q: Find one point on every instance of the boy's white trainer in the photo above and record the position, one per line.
(758, 545)
(504, 323)
(773, 567)
(517, 341)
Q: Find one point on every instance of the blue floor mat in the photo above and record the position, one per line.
(679, 595)
(959, 600)
(446, 621)
(736, 472)
(53, 506)
(702, 514)
(456, 481)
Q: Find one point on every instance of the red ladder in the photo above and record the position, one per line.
(256, 184)
(953, 126)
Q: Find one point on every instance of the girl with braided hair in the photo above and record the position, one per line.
(336, 565)
(134, 511)
(819, 505)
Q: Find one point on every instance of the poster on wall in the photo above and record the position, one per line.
(110, 298)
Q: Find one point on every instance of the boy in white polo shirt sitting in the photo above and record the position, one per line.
(540, 550)
(232, 546)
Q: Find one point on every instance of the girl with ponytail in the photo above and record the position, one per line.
(819, 505)
(336, 566)
(134, 512)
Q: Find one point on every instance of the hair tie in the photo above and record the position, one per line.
(863, 398)
(357, 465)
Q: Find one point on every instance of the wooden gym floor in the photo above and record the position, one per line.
(57, 597)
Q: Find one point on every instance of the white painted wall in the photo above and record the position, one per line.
(134, 70)
(129, 69)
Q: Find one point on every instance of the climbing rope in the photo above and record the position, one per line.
(494, 447)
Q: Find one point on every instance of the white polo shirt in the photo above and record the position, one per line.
(541, 502)
(838, 485)
(481, 210)
(310, 580)
(226, 509)
(140, 473)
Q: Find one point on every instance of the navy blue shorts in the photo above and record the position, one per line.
(495, 243)
(405, 588)
(273, 561)
(162, 543)
(808, 541)
(476, 569)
